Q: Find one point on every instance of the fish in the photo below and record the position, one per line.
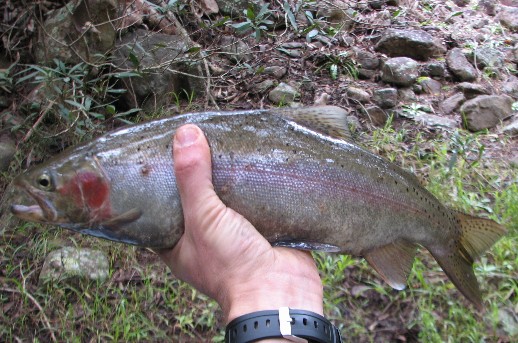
(295, 174)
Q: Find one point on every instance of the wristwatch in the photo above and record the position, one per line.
(294, 325)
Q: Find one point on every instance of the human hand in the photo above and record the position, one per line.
(222, 255)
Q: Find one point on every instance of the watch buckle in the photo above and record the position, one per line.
(285, 321)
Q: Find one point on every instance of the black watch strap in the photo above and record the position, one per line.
(294, 325)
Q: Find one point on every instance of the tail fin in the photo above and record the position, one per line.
(476, 236)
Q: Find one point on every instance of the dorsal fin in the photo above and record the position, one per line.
(393, 262)
(327, 120)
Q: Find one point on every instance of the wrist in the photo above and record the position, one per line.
(273, 292)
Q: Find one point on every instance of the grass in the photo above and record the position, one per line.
(141, 300)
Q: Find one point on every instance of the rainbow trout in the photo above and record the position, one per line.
(294, 174)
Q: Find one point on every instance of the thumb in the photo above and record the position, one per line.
(193, 171)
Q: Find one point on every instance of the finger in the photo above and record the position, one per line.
(193, 170)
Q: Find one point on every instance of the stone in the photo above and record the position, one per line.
(366, 74)
(235, 8)
(367, 60)
(73, 264)
(406, 95)
(461, 3)
(81, 31)
(385, 98)
(236, 50)
(471, 90)
(487, 56)
(435, 120)
(511, 129)
(486, 111)
(508, 17)
(357, 94)
(283, 94)
(401, 71)
(263, 86)
(460, 66)
(167, 69)
(453, 103)
(430, 86)
(7, 151)
(488, 6)
(376, 115)
(276, 71)
(376, 4)
(416, 44)
(511, 88)
(338, 13)
(434, 69)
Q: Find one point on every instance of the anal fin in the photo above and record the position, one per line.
(393, 262)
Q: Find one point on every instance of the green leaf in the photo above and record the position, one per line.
(128, 112)
(134, 60)
(110, 109)
(242, 26)
(75, 104)
(290, 15)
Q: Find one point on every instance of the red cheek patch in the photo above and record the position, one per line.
(90, 192)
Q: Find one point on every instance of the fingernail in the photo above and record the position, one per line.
(186, 136)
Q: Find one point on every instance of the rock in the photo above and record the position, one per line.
(283, 94)
(385, 98)
(461, 3)
(451, 104)
(401, 71)
(511, 129)
(486, 111)
(337, 12)
(276, 71)
(488, 6)
(7, 151)
(366, 74)
(376, 115)
(435, 120)
(511, 88)
(376, 4)
(367, 60)
(511, 3)
(472, 90)
(263, 86)
(80, 31)
(357, 94)
(75, 264)
(460, 66)
(434, 69)
(416, 44)
(406, 95)
(165, 68)
(430, 86)
(236, 50)
(508, 17)
(487, 56)
(235, 8)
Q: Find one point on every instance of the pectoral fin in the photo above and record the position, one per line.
(301, 245)
(119, 221)
(393, 262)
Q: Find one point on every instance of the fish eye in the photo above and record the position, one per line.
(44, 182)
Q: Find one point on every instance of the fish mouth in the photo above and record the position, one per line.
(43, 211)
